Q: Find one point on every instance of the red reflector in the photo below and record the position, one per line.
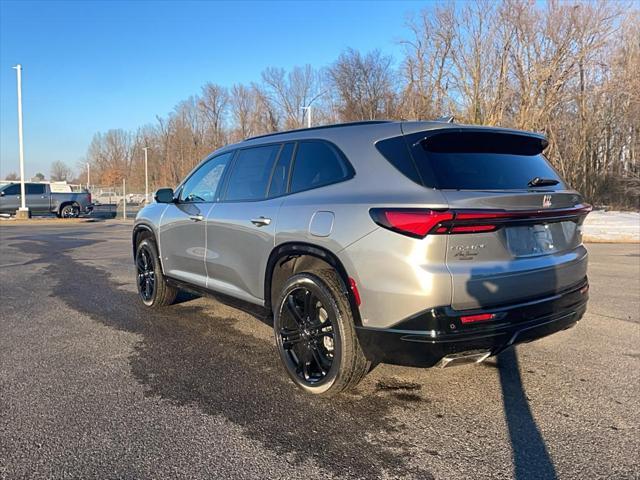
(413, 222)
(354, 289)
(481, 317)
(473, 228)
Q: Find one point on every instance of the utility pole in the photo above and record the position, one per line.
(146, 177)
(307, 110)
(124, 199)
(23, 211)
(88, 175)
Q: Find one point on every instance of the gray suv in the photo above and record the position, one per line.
(413, 243)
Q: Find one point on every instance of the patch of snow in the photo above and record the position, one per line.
(612, 226)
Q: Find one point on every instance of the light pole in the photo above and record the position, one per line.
(307, 110)
(146, 177)
(23, 211)
(88, 176)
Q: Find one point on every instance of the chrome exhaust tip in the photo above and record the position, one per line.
(472, 356)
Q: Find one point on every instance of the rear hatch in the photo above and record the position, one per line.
(513, 227)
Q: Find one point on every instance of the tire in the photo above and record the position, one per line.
(151, 283)
(315, 334)
(70, 210)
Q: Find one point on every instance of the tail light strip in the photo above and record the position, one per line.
(420, 222)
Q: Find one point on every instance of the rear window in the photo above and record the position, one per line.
(317, 163)
(251, 171)
(35, 189)
(476, 160)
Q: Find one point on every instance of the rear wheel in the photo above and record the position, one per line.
(70, 210)
(152, 285)
(315, 334)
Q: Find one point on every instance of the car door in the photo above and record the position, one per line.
(182, 227)
(10, 198)
(37, 197)
(241, 227)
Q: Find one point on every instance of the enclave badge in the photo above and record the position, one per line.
(546, 201)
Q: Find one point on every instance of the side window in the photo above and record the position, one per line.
(281, 172)
(316, 164)
(203, 184)
(251, 172)
(13, 189)
(34, 189)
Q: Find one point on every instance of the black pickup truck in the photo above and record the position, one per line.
(40, 199)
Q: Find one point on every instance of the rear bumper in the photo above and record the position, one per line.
(424, 339)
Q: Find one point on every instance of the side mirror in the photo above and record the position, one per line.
(164, 195)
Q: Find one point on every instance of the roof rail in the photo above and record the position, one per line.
(321, 127)
(446, 119)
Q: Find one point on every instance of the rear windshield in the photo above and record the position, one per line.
(472, 160)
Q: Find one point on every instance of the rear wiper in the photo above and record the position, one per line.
(542, 182)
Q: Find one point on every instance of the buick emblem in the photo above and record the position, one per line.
(546, 201)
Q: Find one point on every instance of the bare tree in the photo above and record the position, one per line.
(301, 87)
(569, 70)
(60, 171)
(12, 176)
(426, 67)
(364, 85)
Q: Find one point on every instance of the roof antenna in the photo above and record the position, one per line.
(446, 119)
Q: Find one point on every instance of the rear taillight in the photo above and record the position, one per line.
(415, 223)
(420, 222)
(480, 317)
(89, 199)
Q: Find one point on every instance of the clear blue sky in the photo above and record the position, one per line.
(91, 66)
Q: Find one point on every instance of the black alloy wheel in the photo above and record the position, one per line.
(145, 265)
(306, 336)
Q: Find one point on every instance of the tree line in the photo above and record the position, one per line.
(570, 70)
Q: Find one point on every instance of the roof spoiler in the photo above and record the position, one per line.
(446, 119)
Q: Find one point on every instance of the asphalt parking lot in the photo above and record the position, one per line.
(94, 386)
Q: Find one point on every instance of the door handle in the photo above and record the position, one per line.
(261, 221)
(196, 218)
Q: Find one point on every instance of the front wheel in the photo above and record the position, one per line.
(152, 286)
(315, 334)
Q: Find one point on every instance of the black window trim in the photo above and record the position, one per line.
(286, 189)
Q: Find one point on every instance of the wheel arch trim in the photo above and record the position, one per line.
(143, 227)
(293, 249)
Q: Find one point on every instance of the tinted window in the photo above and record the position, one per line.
(35, 189)
(470, 160)
(280, 173)
(203, 184)
(251, 172)
(483, 160)
(12, 189)
(395, 150)
(316, 164)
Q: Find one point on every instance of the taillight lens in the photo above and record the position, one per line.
(480, 317)
(420, 222)
(415, 223)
